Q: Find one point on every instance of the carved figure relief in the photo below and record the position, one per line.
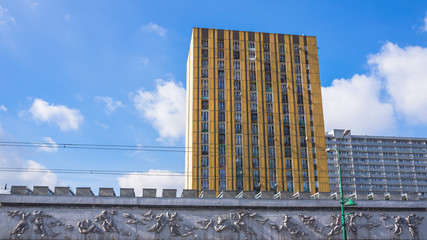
(22, 224)
(87, 226)
(107, 222)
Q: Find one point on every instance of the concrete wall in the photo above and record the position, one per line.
(94, 217)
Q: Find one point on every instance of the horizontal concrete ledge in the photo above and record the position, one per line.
(82, 201)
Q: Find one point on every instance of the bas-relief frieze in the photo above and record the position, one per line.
(133, 224)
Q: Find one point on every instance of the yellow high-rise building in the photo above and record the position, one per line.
(254, 113)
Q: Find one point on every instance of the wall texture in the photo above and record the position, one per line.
(92, 217)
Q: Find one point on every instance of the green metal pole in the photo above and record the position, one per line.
(344, 233)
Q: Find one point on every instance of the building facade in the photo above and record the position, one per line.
(376, 164)
(106, 216)
(254, 113)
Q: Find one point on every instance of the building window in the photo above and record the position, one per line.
(205, 127)
(221, 127)
(205, 43)
(288, 152)
(251, 46)
(256, 174)
(304, 164)
(269, 107)
(220, 44)
(254, 140)
(221, 150)
(205, 161)
(239, 162)
(205, 149)
(205, 105)
(304, 175)
(221, 84)
(255, 162)
(236, 65)
(288, 164)
(238, 117)
(205, 73)
(236, 75)
(252, 56)
(253, 96)
(238, 128)
(252, 76)
(267, 67)
(266, 57)
(205, 138)
(282, 68)
(237, 96)
(221, 74)
(205, 184)
(205, 84)
(281, 48)
(252, 66)
(220, 54)
(205, 53)
(255, 151)
(282, 58)
(266, 47)
(254, 118)
(239, 150)
(221, 64)
(236, 55)
(205, 116)
(254, 129)
(205, 173)
(221, 162)
(272, 162)
(269, 97)
(289, 187)
(283, 78)
(289, 175)
(238, 106)
(306, 186)
(270, 129)
(239, 185)
(221, 106)
(222, 174)
(239, 173)
(205, 63)
(238, 139)
(221, 95)
(221, 116)
(222, 185)
(236, 45)
(221, 138)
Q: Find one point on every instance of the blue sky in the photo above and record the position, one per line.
(113, 72)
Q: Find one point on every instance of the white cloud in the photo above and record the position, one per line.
(355, 103)
(404, 73)
(164, 108)
(5, 17)
(110, 104)
(64, 117)
(48, 145)
(3, 108)
(28, 173)
(105, 126)
(159, 179)
(394, 90)
(152, 27)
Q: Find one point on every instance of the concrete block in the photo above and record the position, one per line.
(228, 194)
(149, 192)
(412, 196)
(63, 191)
(302, 195)
(189, 193)
(169, 193)
(208, 194)
(267, 195)
(42, 190)
(20, 190)
(324, 195)
(106, 192)
(285, 195)
(127, 192)
(248, 194)
(84, 191)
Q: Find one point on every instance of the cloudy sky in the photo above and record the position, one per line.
(113, 73)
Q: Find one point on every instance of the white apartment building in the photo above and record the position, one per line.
(377, 164)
